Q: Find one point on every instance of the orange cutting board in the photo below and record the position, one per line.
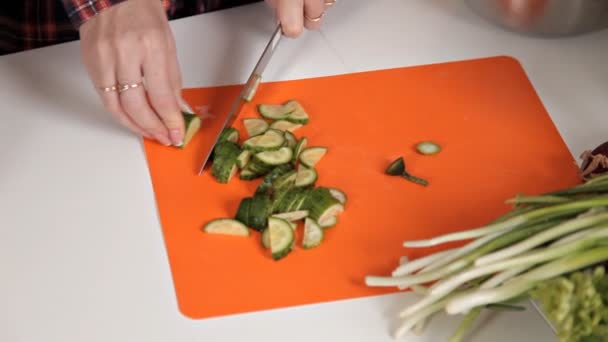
(497, 140)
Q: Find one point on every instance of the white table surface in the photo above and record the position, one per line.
(82, 257)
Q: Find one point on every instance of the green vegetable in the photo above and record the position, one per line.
(225, 161)
(243, 212)
(306, 177)
(299, 115)
(310, 156)
(313, 234)
(301, 145)
(281, 237)
(255, 126)
(192, 124)
(396, 167)
(274, 158)
(229, 134)
(284, 125)
(259, 211)
(225, 226)
(243, 159)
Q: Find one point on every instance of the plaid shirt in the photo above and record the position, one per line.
(29, 24)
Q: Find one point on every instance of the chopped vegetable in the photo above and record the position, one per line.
(313, 234)
(396, 167)
(595, 162)
(301, 145)
(275, 111)
(306, 177)
(225, 161)
(259, 211)
(281, 237)
(284, 125)
(339, 195)
(226, 226)
(293, 215)
(268, 141)
(428, 147)
(229, 134)
(299, 115)
(310, 156)
(255, 126)
(192, 124)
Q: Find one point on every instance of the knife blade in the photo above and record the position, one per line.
(249, 89)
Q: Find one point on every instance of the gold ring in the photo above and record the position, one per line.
(124, 87)
(314, 20)
(108, 89)
(330, 2)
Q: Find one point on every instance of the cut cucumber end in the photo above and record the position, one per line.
(428, 148)
(396, 167)
(192, 124)
(226, 226)
(306, 177)
(313, 234)
(329, 222)
(339, 195)
(298, 115)
(293, 215)
(273, 158)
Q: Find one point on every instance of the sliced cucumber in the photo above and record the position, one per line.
(193, 124)
(298, 204)
(275, 111)
(225, 161)
(301, 145)
(428, 147)
(229, 134)
(278, 171)
(313, 234)
(396, 167)
(330, 222)
(259, 212)
(322, 205)
(293, 215)
(291, 139)
(243, 158)
(305, 177)
(299, 115)
(248, 175)
(281, 237)
(226, 226)
(266, 238)
(293, 225)
(286, 200)
(310, 156)
(243, 212)
(274, 158)
(339, 195)
(255, 126)
(268, 141)
(285, 181)
(286, 126)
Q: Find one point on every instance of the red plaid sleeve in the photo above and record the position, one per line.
(80, 11)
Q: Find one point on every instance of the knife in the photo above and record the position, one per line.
(249, 89)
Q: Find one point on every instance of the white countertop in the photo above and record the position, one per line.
(82, 257)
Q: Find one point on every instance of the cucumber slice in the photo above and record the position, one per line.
(266, 238)
(290, 139)
(229, 134)
(293, 215)
(305, 177)
(226, 226)
(396, 167)
(286, 200)
(281, 237)
(193, 124)
(225, 161)
(243, 159)
(284, 125)
(339, 195)
(300, 200)
(322, 205)
(248, 175)
(259, 212)
(278, 171)
(269, 141)
(243, 212)
(310, 156)
(428, 147)
(275, 111)
(255, 126)
(285, 181)
(274, 158)
(313, 234)
(299, 115)
(330, 222)
(301, 145)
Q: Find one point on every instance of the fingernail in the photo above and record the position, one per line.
(176, 137)
(163, 139)
(184, 106)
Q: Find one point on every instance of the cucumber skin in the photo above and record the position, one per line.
(259, 212)
(242, 213)
(226, 154)
(227, 133)
(318, 201)
(188, 117)
(278, 171)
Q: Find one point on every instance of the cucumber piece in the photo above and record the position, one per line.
(313, 234)
(192, 124)
(275, 111)
(339, 195)
(278, 171)
(396, 167)
(242, 213)
(281, 237)
(284, 125)
(293, 225)
(330, 222)
(428, 148)
(224, 163)
(269, 141)
(286, 200)
(255, 126)
(292, 215)
(259, 212)
(274, 158)
(266, 238)
(229, 134)
(290, 139)
(301, 145)
(310, 156)
(299, 115)
(305, 177)
(300, 200)
(226, 226)
(322, 205)
(248, 175)
(243, 159)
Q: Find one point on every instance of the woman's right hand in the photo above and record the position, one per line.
(122, 46)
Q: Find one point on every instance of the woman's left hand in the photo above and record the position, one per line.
(295, 15)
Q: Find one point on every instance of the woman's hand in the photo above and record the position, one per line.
(125, 44)
(295, 15)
